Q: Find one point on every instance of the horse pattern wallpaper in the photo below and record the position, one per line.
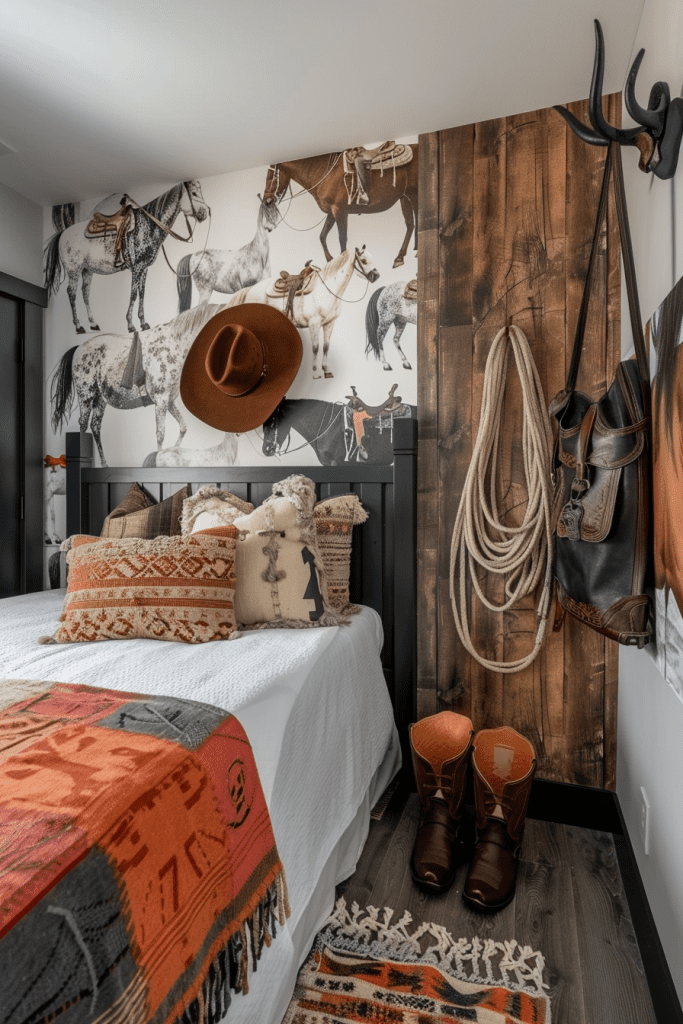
(132, 277)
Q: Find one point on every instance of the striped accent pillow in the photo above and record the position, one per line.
(138, 515)
(168, 588)
(334, 522)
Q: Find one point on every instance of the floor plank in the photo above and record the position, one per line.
(615, 987)
(569, 904)
(358, 888)
(394, 877)
(542, 921)
(545, 842)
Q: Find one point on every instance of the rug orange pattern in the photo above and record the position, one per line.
(364, 970)
(139, 876)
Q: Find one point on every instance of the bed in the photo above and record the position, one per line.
(325, 712)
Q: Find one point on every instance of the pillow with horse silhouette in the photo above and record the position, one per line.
(167, 588)
(334, 521)
(141, 516)
(280, 572)
(209, 507)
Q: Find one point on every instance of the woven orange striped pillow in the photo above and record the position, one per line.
(169, 588)
(334, 521)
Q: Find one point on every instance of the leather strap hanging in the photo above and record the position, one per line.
(602, 466)
(613, 159)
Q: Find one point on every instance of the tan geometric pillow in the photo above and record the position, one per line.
(280, 574)
(209, 507)
(168, 588)
(334, 522)
(138, 515)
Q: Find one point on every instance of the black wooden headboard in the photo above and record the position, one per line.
(383, 559)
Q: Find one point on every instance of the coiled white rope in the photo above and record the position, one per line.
(523, 554)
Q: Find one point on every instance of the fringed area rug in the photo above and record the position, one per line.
(363, 968)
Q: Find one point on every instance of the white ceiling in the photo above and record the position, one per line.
(102, 94)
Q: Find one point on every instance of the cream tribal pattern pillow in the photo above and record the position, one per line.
(280, 573)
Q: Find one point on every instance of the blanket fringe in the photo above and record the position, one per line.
(230, 968)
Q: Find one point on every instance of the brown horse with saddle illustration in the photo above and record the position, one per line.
(336, 182)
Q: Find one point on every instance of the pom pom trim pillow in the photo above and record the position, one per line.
(280, 573)
(334, 521)
(169, 588)
(138, 515)
(210, 507)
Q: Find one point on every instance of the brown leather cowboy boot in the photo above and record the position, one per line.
(440, 745)
(503, 764)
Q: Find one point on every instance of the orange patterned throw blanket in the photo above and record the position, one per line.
(139, 877)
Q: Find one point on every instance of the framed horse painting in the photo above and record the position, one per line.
(665, 330)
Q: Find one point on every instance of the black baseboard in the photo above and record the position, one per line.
(599, 809)
(582, 806)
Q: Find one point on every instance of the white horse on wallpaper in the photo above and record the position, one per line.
(55, 483)
(320, 307)
(223, 454)
(228, 270)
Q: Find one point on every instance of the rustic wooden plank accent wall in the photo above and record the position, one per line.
(506, 211)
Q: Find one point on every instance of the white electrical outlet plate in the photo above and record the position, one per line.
(644, 820)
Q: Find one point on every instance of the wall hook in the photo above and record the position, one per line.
(659, 130)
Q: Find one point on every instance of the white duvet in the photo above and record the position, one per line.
(315, 707)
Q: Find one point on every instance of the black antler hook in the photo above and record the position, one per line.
(655, 115)
(659, 129)
(603, 132)
(624, 136)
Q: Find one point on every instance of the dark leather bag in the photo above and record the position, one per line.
(602, 471)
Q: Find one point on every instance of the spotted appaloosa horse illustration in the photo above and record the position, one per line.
(72, 252)
(95, 371)
(388, 306)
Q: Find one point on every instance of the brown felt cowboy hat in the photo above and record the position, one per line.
(240, 366)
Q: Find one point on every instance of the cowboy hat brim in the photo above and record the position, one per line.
(283, 351)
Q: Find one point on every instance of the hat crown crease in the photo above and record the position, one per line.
(239, 366)
(232, 362)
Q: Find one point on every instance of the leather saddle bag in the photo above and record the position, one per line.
(602, 472)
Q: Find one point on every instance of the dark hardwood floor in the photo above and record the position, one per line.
(569, 904)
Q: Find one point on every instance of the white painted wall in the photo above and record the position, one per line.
(650, 719)
(21, 237)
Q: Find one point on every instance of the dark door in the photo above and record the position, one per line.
(11, 447)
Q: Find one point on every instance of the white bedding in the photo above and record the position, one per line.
(315, 707)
